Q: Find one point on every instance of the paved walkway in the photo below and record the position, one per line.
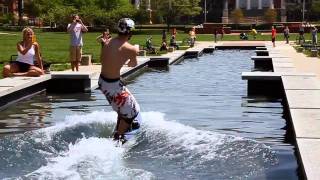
(300, 60)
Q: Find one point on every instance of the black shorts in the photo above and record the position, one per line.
(23, 67)
(273, 39)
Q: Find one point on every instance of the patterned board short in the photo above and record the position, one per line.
(119, 97)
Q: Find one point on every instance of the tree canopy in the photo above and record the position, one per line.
(237, 16)
(173, 10)
(93, 12)
(107, 12)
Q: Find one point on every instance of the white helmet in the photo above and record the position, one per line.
(125, 25)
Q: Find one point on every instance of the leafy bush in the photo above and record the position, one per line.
(237, 16)
(270, 15)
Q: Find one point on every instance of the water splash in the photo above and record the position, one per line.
(79, 148)
(184, 150)
(89, 158)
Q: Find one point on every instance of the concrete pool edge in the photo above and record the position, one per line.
(301, 92)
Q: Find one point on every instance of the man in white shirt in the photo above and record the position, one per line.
(75, 29)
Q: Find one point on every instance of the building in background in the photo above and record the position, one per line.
(253, 10)
(8, 7)
(12, 10)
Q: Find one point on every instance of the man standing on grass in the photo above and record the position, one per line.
(286, 34)
(273, 36)
(115, 54)
(75, 29)
(314, 35)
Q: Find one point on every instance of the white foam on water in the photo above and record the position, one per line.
(74, 120)
(89, 158)
(196, 148)
(203, 142)
(99, 158)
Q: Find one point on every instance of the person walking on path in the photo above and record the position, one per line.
(301, 34)
(28, 52)
(192, 37)
(286, 32)
(164, 36)
(115, 54)
(75, 28)
(215, 33)
(273, 36)
(314, 34)
(222, 33)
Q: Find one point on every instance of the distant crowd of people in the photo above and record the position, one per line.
(286, 34)
(300, 38)
(30, 63)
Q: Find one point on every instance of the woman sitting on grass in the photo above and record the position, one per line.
(28, 51)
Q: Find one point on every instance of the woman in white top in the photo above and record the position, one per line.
(28, 51)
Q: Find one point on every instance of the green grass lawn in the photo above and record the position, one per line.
(55, 45)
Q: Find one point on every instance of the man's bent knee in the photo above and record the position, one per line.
(128, 120)
(6, 70)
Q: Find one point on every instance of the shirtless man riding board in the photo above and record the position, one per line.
(115, 54)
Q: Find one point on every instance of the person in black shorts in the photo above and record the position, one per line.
(28, 52)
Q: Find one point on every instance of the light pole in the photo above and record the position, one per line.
(20, 11)
(169, 15)
(205, 11)
(303, 9)
(150, 14)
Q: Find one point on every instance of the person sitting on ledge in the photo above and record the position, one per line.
(243, 36)
(173, 42)
(28, 51)
(164, 46)
(149, 46)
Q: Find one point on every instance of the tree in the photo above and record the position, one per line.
(237, 16)
(270, 15)
(108, 5)
(41, 7)
(60, 15)
(174, 9)
(315, 10)
(92, 12)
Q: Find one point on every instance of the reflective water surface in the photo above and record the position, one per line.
(198, 124)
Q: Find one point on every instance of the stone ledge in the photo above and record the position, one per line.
(260, 76)
(13, 84)
(306, 122)
(303, 99)
(300, 82)
(309, 154)
(72, 75)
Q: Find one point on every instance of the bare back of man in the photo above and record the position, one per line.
(115, 54)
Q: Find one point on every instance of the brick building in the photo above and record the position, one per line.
(220, 10)
(253, 9)
(8, 7)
